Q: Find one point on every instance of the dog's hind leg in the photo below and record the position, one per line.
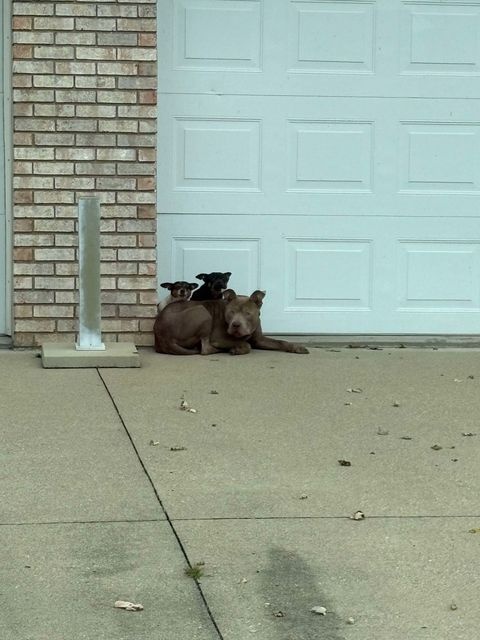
(175, 349)
(178, 350)
(207, 348)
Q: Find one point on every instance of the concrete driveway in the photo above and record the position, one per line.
(110, 491)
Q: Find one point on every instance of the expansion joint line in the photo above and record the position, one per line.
(162, 506)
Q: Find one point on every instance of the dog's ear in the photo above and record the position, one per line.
(229, 295)
(192, 285)
(227, 275)
(167, 285)
(201, 276)
(257, 297)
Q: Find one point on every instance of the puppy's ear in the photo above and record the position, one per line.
(257, 297)
(201, 276)
(192, 285)
(229, 295)
(167, 285)
(227, 275)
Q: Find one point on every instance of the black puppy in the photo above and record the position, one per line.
(214, 285)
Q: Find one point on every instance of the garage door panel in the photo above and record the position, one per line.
(346, 166)
(217, 154)
(264, 47)
(440, 157)
(337, 275)
(377, 157)
(221, 35)
(439, 276)
(192, 255)
(331, 275)
(440, 38)
(331, 37)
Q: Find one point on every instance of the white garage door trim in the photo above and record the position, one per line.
(6, 145)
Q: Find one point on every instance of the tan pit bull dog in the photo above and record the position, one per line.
(230, 324)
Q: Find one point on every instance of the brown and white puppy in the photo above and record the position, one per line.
(230, 324)
(214, 284)
(179, 290)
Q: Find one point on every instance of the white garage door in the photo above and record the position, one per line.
(328, 152)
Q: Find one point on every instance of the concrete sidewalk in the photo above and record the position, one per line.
(109, 491)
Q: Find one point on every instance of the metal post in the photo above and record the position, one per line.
(90, 334)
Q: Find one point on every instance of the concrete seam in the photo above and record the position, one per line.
(237, 518)
(168, 519)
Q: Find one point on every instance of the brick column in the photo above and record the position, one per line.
(84, 78)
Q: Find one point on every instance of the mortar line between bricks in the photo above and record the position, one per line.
(160, 502)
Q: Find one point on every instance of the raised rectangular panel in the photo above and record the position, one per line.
(440, 157)
(441, 38)
(331, 36)
(218, 34)
(217, 155)
(328, 274)
(240, 256)
(330, 156)
(439, 275)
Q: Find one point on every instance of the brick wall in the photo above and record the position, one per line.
(84, 78)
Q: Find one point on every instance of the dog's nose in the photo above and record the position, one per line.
(235, 324)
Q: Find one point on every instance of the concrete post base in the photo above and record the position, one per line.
(65, 356)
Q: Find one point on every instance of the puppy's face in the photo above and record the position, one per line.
(216, 281)
(180, 290)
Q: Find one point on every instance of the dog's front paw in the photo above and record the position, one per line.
(299, 348)
(240, 349)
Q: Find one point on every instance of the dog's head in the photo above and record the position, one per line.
(216, 282)
(242, 313)
(180, 289)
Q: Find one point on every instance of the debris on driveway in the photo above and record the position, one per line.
(453, 607)
(406, 438)
(477, 530)
(321, 611)
(278, 614)
(396, 404)
(303, 496)
(184, 406)
(350, 620)
(358, 515)
(468, 433)
(436, 447)
(355, 390)
(128, 606)
(154, 443)
(345, 463)
(382, 432)
(214, 393)
(178, 448)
